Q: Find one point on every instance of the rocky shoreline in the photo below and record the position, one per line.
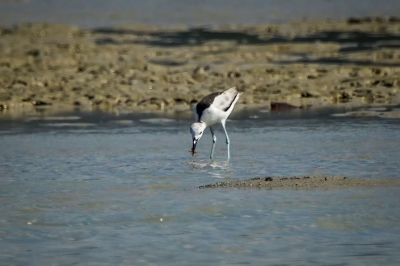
(59, 68)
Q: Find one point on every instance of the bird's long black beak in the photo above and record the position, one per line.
(194, 146)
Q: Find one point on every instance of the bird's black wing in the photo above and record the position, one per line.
(205, 103)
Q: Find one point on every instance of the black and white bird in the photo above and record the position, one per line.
(212, 109)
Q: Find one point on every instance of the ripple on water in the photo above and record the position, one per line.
(132, 192)
(125, 122)
(158, 121)
(74, 125)
(52, 118)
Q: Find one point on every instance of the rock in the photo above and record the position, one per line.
(306, 94)
(281, 106)
(40, 103)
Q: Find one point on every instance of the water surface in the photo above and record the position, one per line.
(123, 190)
(98, 13)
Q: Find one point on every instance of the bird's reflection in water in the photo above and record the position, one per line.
(217, 169)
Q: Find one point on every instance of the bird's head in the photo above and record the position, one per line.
(197, 130)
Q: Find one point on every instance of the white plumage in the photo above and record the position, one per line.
(212, 109)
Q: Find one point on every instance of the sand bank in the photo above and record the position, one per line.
(303, 182)
(141, 68)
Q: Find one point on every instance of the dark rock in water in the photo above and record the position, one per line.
(40, 103)
(281, 106)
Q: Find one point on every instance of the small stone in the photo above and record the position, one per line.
(40, 103)
(234, 74)
(34, 52)
(306, 94)
(282, 106)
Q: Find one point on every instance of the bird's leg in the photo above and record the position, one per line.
(227, 139)
(214, 140)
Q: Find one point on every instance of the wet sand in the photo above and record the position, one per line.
(50, 68)
(303, 182)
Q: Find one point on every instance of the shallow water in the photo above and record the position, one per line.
(123, 190)
(98, 13)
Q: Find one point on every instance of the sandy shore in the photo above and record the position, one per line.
(141, 68)
(303, 182)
